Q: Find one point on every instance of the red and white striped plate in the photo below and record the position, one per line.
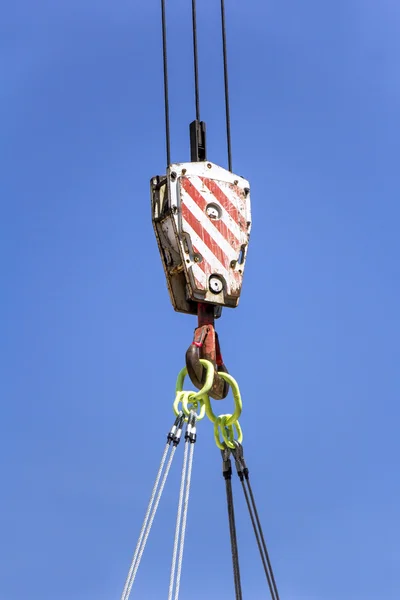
(214, 228)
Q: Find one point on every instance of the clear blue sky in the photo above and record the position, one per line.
(91, 345)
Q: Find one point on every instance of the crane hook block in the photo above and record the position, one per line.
(202, 220)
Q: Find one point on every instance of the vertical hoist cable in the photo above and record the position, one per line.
(166, 94)
(195, 60)
(196, 78)
(227, 109)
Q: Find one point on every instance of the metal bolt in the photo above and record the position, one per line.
(183, 171)
(209, 165)
(246, 191)
(235, 182)
(233, 264)
(173, 175)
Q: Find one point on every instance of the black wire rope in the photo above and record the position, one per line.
(227, 110)
(243, 473)
(166, 95)
(260, 548)
(227, 473)
(195, 60)
(253, 502)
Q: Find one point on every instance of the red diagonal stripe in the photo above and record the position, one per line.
(207, 269)
(230, 208)
(197, 283)
(201, 203)
(205, 236)
(204, 265)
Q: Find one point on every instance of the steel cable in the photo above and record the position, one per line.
(227, 473)
(183, 504)
(195, 60)
(227, 109)
(243, 473)
(178, 521)
(145, 520)
(184, 520)
(262, 537)
(150, 523)
(253, 522)
(166, 94)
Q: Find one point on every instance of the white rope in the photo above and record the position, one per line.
(146, 535)
(146, 518)
(178, 520)
(185, 511)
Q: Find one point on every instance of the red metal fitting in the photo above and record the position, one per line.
(206, 345)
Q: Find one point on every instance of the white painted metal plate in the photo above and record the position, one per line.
(213, 220)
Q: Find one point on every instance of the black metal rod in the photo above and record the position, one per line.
(195, 60)
(227, 110)
(166, 95)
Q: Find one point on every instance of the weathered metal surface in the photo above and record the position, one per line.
(206, 345)
(202, 220)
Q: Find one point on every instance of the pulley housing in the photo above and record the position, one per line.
(202, 220)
